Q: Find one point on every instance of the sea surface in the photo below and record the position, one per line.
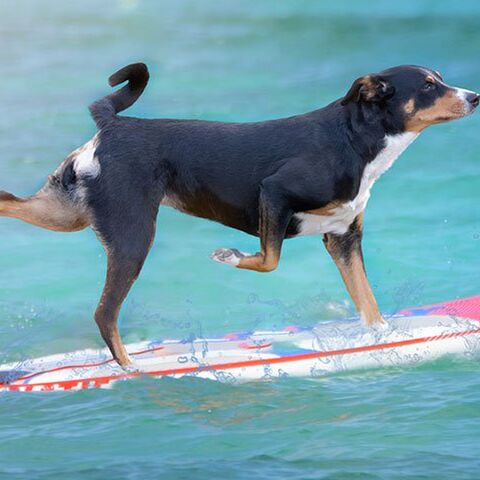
(236, 61)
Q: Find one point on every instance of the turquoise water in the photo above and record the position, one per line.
(236, 61)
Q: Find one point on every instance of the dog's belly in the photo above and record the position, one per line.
(205, 205)
(337, 221)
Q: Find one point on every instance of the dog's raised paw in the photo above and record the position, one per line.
(229, 256)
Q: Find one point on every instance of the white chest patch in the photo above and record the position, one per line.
(85, 161)
(342, 216)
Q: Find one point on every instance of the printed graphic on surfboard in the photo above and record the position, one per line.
(414, 335)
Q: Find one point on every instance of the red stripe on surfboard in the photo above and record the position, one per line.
(111, 360)
(100, 381)
(84, 365)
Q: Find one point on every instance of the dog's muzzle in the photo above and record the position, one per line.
(473, 99)
(469, 99)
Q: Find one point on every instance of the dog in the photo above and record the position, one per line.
(277, 179)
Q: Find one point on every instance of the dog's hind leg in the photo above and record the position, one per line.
(127, 235)
(50, 208)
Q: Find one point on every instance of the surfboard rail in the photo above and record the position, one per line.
(414, 335)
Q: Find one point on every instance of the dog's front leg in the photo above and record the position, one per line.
(274, 217)
(346, 251)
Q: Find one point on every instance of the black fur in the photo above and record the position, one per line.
(250, 176)
(104, 109)
(215, 170)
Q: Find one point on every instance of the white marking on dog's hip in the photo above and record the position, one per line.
(85, 161)
(342, 216)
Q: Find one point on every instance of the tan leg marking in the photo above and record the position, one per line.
(264, 261)
(347, 255)
(46, 209)
(358, 287)
(260, 262)
(116, 288)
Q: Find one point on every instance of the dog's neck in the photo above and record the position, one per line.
(371, 133)
(394, 146)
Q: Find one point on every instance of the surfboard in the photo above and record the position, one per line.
(412, 336)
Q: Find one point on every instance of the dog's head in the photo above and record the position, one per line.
(413, 97)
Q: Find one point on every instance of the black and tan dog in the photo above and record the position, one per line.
(307, 174)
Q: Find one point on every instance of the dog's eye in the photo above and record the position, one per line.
(428, 85)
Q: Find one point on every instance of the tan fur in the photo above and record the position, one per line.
(325, 211)
(45, 209)
(363, 87)
(356, 281)
(353, 274)
(409, 107)
(106, 316)
(368, 87)
(265, 261)
(261, 262)
(448, 107)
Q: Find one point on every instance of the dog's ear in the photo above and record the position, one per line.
(369, 88)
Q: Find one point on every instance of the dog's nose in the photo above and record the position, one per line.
(474, 99)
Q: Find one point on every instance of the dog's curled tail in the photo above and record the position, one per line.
(105, 109)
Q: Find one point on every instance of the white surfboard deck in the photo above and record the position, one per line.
(415, 336)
